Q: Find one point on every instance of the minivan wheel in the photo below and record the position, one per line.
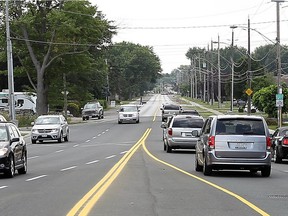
(265, 172)
(207, 170)
(198, 168)
(165, 146)
(168, 149)
(66, 138)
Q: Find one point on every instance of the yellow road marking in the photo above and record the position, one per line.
(255, 208)
(84, 206)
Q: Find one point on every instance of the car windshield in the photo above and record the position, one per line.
(128, 109)
(90, 106)
(3, 134)
(47, 120)
(284, 133)
(240, 127)
(188, 123)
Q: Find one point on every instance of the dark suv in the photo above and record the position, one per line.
(13, 150)
(92, 110)
(233, 142)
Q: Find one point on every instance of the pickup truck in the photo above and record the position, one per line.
(170, 110)
(92, 110)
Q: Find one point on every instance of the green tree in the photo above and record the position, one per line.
(55, 37)
(265, 100)
(132, 69)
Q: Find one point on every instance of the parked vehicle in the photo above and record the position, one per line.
(170, 110)
(13, 150)
(50, 127)
(279, 147)
(233, 142)
(25, 102)
(177, 132)
(92, 110)
(128, 113)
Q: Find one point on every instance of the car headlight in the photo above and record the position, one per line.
(3, 151)
(34, 130)
(55, 130)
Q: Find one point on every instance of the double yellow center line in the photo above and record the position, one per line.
(84, 206)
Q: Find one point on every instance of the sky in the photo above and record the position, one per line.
(172, 27)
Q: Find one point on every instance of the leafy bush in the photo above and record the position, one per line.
(74, 109)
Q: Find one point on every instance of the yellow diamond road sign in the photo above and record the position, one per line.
(249, 91)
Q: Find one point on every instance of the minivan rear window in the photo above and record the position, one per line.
(188, 123)
(240, 127)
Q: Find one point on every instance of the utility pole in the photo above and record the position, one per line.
(232, 68)
(249, 69)
(278, 61)
(10, 66)
(212, 75)
(219, 75)
(208, 75)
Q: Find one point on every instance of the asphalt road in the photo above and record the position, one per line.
(121, 169)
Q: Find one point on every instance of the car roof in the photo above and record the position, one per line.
(238, 116)
(188, 116)
(42, 116)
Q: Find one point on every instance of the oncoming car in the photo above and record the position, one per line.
(50, 127)
(13, 150)
(128, 113)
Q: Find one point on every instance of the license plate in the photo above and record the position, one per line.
(186, 134)
(240, 146)
(44, 135)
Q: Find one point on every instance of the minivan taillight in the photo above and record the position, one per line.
(211, 142)
(285, 141)
(268, 142)
(170, 131)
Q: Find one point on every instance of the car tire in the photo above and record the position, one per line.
(278, 158)
(33, 141)
(11, 171)
(66, 138)
(207, 170)
(60, 138)
(164, 145)
(168, 149)
(23, 170)
(83, 118)
(198, 168)
(265, 172)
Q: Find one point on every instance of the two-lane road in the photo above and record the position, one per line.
(121, 169)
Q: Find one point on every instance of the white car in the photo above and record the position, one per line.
(128, 113)
(50, 127)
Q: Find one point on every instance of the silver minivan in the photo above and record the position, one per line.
(233, 142)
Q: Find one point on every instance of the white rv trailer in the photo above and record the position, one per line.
(25, 102)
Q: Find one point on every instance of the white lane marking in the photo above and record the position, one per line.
(94, 137)
(87, 141)
(91, 162)
(29, 158)
(123, 152)
(107, 130)
(103, 132)
(2, 187)
(76, 145)
(110, 156)
(59, 151)
(37, 177)
(99, 135)
(68, 168)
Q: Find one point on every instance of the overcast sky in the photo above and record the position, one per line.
(172, 27)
